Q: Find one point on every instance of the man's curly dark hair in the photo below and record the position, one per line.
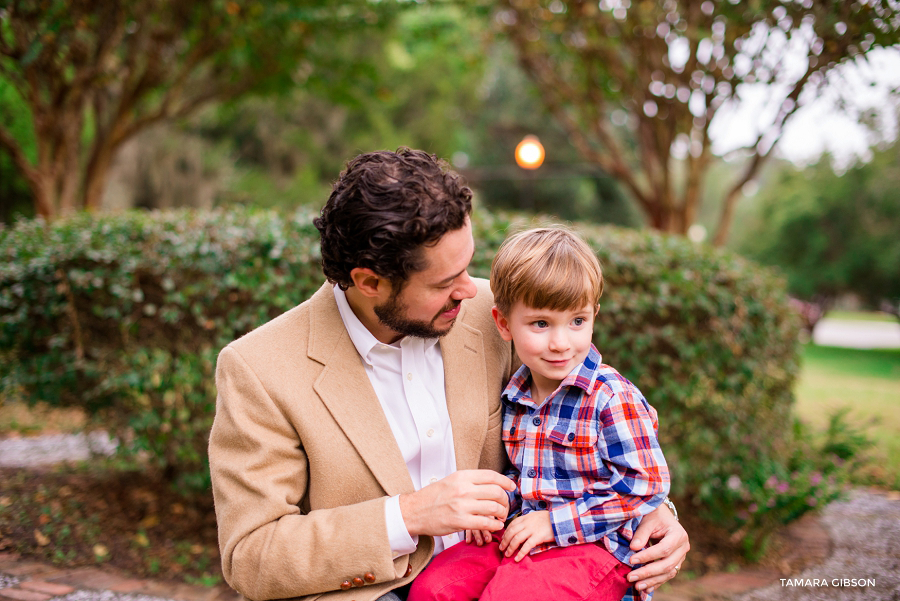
(385, 207)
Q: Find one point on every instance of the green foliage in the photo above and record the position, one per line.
(772, 491)
(15, 198)
(410, 83)
(834, 234)
(124, 315)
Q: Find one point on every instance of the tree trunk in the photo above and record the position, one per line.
(41, 188)
(95, 179)
(726, 216)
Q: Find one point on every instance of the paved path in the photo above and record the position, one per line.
(857, 334)
(44, 450)
(24, 580)
(856, 538)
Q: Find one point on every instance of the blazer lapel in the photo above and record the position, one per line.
(345, 389)
(465, 380)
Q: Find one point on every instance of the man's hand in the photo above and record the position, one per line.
(464, 500)
(664, 558)
(526, 532)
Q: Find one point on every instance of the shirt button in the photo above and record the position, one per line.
(542, 504)
(409, 376)
(369, 577)
(571, 436)
(532, 473)
(345, 585)
(536, 421)
(358, 581)
(430, 432)
(573, 540)
(433, 480)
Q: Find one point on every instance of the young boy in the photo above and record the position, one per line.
(582, 440)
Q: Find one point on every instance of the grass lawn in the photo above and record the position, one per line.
(861, 316)
(867, 382)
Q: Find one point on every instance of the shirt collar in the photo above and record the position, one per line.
(582, 376)
(360, 335)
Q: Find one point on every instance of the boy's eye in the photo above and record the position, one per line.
(578, 321)
(540, 323)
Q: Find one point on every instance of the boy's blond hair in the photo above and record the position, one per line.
(546, 268)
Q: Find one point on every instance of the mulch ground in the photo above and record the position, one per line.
(75, 516)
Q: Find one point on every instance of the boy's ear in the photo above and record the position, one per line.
(502, 324)
(369, 283)
(596, 309)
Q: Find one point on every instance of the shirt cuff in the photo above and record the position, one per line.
(398, 536)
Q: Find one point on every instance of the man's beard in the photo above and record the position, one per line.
(393, 315)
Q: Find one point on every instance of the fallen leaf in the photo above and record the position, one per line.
(5, 501)
(177, 508)
(100, 551)
(196, 549)
(42, 539)
(141, 539)
(44, 519)
(149, 522)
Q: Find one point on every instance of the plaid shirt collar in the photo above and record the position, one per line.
(519, 388)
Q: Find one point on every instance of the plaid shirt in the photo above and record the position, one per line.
(589, 455)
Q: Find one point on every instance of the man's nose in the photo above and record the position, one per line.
(466, 287)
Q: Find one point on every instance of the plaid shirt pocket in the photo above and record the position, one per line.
(573, 449)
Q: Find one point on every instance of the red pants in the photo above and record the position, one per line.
(467, 572)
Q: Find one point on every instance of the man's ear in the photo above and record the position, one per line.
(369, 283)
(502, 324)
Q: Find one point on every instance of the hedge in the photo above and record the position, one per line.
(124, 315)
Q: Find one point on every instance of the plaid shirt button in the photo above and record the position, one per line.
(532, 473)
(536, 421)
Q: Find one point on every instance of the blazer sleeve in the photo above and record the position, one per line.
(271, 548)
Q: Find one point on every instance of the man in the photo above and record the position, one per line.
(357, 433)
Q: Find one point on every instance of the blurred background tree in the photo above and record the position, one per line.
(636, 85)
(831, 234)
(93, 75)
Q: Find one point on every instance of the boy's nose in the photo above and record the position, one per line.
(558, 340)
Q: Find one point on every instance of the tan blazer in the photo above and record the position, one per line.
(302, 457)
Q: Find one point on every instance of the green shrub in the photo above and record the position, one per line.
(124, 315)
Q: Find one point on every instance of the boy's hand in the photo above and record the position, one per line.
(526, 532)
(479, 537)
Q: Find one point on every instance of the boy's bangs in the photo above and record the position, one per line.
(559, 285)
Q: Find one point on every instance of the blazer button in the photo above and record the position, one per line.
(408, 570)
(345, 585)
(369, 577)
(358, 581)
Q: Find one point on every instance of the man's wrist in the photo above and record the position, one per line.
(668, 503)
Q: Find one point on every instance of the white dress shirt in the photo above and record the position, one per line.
(408, 378)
